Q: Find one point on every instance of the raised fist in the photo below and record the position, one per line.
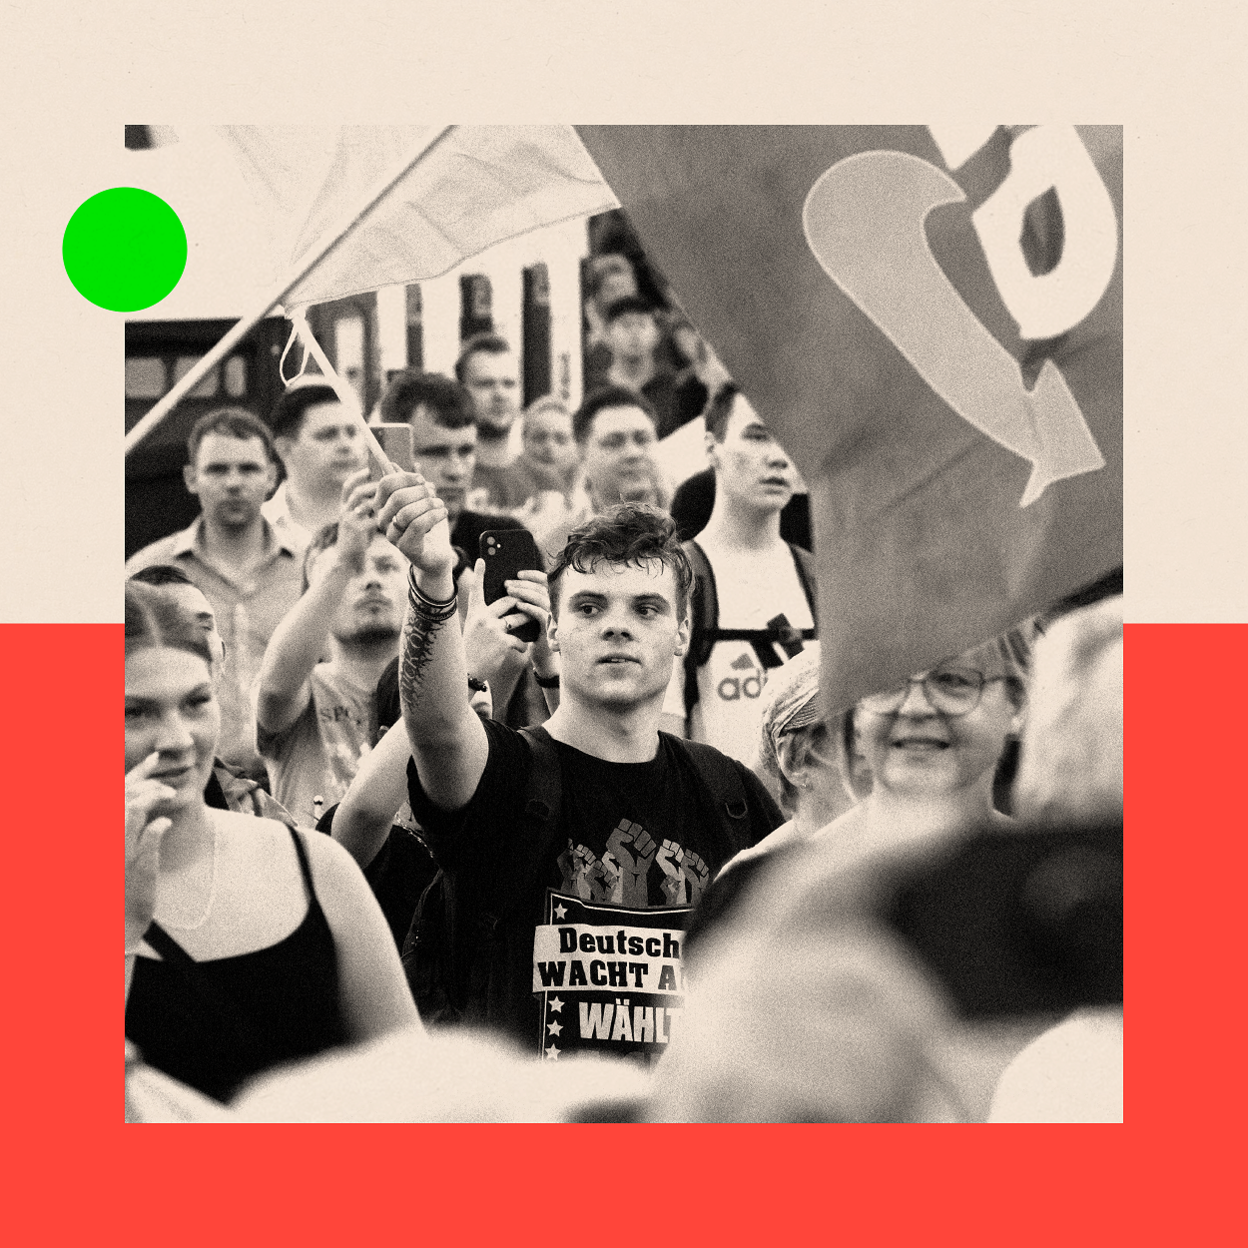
(634, 849)
(670, 858)
(614, 878)
(409, 513)
(697, 873)
(583, 859)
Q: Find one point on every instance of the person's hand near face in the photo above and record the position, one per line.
(172, 722)
(145, 827)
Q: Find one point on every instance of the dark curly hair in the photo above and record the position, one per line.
(630, 533)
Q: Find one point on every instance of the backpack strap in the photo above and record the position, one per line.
(538, 828)
(704, 615)
(544, 795)
(703, 619)
(804, 562)
(719, 774)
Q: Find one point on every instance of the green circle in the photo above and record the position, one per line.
(124, 249)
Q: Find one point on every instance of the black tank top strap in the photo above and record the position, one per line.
(166, 946)
(305, 867)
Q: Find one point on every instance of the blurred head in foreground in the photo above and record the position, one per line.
(1071, 764)
(799, 1010)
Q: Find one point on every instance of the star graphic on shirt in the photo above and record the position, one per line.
(552, 1054)
(554, 1028)
(561, 911)
(555, 1005)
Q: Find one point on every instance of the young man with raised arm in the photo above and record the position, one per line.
(315, 718)
(585, 925)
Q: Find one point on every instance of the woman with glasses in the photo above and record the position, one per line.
(793, 1016)
(932, 744)
(914, 762)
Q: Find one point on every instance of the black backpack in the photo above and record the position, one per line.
(704, 612)
(467, 962)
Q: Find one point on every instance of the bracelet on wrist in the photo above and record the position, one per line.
(435, 603)
(426, 607)
(546, 682)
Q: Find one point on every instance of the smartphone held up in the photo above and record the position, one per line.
(396, 441)
(508, 552)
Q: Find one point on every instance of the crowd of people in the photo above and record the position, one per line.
(368, 824)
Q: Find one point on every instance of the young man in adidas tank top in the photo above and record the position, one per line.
(756, 578)
(586, 917)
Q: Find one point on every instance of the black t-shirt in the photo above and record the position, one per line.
(636, 844)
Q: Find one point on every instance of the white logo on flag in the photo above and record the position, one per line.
(874, 204)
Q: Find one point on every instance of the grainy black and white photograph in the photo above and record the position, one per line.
(623, 623)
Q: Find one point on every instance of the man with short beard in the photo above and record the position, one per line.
(249, 570)
(315, 719)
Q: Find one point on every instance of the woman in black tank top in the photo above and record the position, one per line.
(243, 951)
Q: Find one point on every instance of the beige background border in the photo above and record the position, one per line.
(73, 77)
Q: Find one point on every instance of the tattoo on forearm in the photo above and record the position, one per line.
(419, 636)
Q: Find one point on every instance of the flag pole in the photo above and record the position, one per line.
(248, 323)
(350, 400)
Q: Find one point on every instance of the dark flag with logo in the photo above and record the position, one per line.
(930, 319)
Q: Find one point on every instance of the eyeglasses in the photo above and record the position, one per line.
(950, 690)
